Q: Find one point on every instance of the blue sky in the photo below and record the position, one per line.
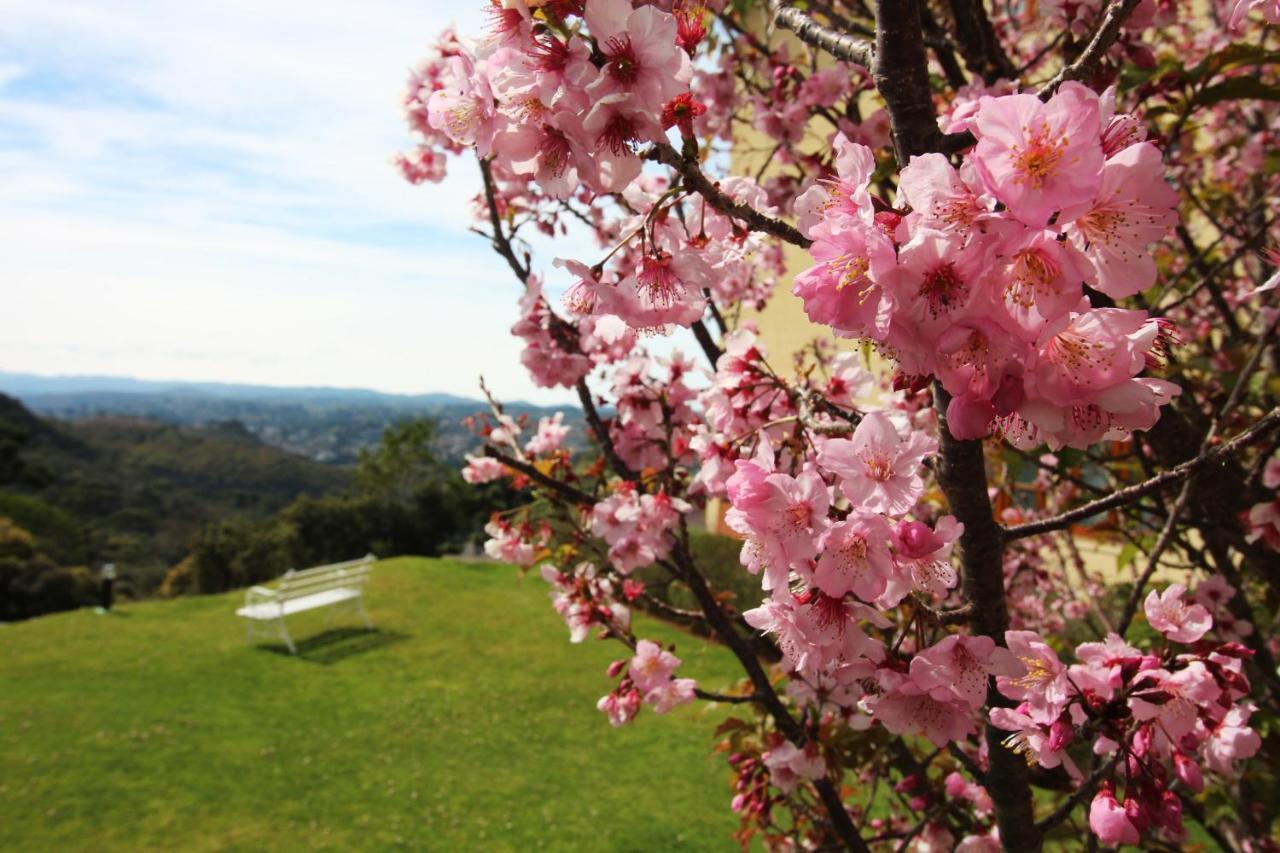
(202, 191)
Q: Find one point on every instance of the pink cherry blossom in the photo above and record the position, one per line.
(847, 196)
(1169, 614)
(549, 436)
(1232, 740)
(783, 515)
(936, 281)
(789, 765)
(652, 665)
(958, 666)
(1262, 523)
(671, 694)
(507, 544)
(1042, 685)
(482, 469)
(615, 125)
(855, 557)
(877, 469)
(549, 146)
(940, 198)
(843, 290)
(1043, 280)
(1034, 740)
(1040, 157)
(621, 706)
(912, 709)
(1133, 208)
(1174, 699)
(666, 289)
(641, 58)
(422, 164)
(463, 107)
(1270, 12)
(924, 554)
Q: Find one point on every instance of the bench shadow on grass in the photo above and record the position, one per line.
(335, 644)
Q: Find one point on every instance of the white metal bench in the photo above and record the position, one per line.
(323, 586)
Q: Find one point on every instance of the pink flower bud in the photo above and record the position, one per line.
(1061, 733)
(1188, 772)
(1108, 819)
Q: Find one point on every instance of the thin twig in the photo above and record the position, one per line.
(967, 761)
(954, 616)
(1153, 558)
(1078, 796)
(602, 432)
(1086, 64)
(668, 610)
(1164, 478)
(724, 697)
(501, 242)
(1166, 534)
(576, 495)
(696, 181)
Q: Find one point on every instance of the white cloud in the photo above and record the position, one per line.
(202, 191)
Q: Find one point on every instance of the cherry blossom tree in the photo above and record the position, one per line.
(1048, 233)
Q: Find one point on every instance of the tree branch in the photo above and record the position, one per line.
(962, 474)
(671, 612)
(1086, 64)
(576, 495)
(724, 697)
(602, 432)
(787, 724)
(902, 77)
(501, 243)
(696, 181)
(978, 43)
(1159, 481)
(840, 45)
(709, 347)
(1079, 795)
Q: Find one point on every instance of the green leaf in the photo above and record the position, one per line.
(1233, 56)
(1238, 89)
(1126, 555)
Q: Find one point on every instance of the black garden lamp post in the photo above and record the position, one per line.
(108, 585)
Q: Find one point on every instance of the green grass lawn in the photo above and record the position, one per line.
(466, 722)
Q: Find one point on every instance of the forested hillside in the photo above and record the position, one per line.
(139, 492)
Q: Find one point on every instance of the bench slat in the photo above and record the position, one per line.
(302, 573)
(290, 588)
(274, 609)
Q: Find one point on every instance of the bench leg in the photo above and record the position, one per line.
(363, 614)
(284, 635)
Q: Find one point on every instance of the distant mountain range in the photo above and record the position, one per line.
(326, 424)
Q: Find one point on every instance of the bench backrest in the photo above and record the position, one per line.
(354, 573)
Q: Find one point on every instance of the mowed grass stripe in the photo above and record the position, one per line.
(467, 721)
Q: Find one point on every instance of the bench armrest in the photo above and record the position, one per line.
(259, 594)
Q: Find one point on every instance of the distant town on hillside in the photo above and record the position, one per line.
(328, 425)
